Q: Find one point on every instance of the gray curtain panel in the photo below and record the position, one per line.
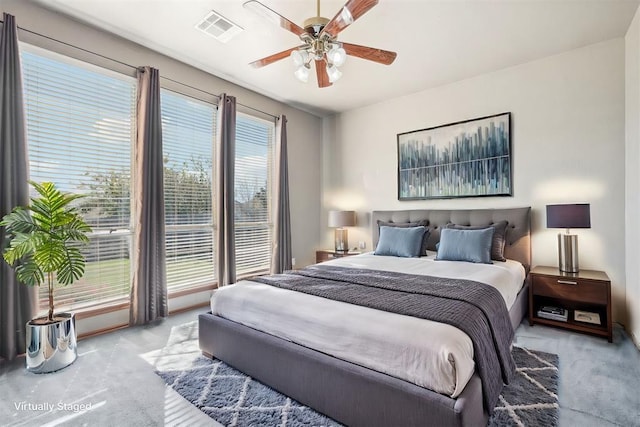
(226, 143)
(18, 302)
(149, 288)
(281, 256)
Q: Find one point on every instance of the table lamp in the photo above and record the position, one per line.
(339, 220)
(568, 216)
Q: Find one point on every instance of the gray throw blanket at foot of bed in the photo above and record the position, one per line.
(475, 308)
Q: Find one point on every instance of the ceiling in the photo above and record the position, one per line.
(437, 42)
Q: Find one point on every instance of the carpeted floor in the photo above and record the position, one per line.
(235, 399)
(598, 381)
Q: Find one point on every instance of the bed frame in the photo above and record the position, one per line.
(352, 394)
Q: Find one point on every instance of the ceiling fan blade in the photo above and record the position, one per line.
(372, 54)
(321, 72)
(350, 12)
(274, 17)
(273, 58)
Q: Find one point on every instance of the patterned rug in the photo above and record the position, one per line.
(531, 399)
(235, 399)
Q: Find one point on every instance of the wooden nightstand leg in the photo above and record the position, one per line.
(530, 302)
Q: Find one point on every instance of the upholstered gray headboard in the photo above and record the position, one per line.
(518, 245)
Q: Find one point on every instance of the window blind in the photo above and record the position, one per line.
(79, 121)
(188, 132)
(253, 194)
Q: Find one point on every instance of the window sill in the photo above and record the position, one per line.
(191, 290)
(84, 313)
(249, 276)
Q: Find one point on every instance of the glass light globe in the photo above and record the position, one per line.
(302, 73)
(299, 57)
(337, 56)
(334, 73)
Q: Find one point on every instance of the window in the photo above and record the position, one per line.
(79, 135)
(80, 131)
(188, 133)
(253, 182)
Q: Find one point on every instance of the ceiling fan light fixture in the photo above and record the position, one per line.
(333, 73)
(299, 57)
(302, 73)
(319, 42)
(337, 56)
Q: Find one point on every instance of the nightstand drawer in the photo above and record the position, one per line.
(570, 288)
(322, 256)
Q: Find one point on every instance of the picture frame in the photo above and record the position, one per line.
(470, 158)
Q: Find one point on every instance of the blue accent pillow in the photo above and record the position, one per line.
(499, 237)
(400, 242)
(424, 222)
(466, 245)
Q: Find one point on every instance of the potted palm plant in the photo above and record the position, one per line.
(44, 242)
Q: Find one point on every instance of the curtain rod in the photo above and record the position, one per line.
(135, 67)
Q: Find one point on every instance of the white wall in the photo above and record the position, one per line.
(632, 155)
(568, 138)
(304, 129)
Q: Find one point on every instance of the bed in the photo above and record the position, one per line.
(357, 392)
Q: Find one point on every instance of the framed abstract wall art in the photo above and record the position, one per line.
(464, 159)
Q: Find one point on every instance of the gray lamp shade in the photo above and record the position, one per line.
(569, 216)
(339, 219)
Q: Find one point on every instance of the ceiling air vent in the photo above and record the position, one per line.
(218, 27)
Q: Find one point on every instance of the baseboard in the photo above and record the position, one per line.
(635, 339)
(102, 331)
(190, 307)
(634, 335)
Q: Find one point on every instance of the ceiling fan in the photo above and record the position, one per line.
(319, 38)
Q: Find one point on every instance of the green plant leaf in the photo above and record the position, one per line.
(18, 221)
(29, 273)
(73, 267)
(45, 237)
(50, 255)
(21, 245)
(76, 230)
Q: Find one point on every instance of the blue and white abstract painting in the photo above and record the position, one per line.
(464, 159)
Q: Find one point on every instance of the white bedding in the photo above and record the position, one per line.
(433, 355)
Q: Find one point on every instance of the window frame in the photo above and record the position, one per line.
(271, 187)
(117, 302)
(122, 302)
(185, 289)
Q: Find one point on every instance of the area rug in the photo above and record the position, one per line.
(531, 399)
(235, 399)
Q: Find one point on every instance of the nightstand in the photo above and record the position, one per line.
(329, 254)
(588, 290)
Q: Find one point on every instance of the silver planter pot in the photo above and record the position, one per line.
(51, 347)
